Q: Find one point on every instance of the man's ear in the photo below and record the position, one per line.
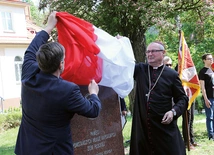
(61, 65)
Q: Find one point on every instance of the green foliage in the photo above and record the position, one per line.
(127, 131)
(127, 102)
(198, 33)
(10, 119)
(37, 16)
(2, 119)
(199, 103)
(133, 18)
(151, 34)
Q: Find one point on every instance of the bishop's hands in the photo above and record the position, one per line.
(93, 88)
(167, 118)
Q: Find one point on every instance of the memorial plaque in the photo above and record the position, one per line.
(101, 135)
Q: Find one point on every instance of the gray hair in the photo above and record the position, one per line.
(167, 58)
(161, 45)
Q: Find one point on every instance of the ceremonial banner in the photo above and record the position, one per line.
(187, 71)
(91, 53)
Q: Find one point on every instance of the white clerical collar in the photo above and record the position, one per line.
(157, 66)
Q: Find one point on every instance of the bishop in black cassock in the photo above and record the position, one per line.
(149, 136)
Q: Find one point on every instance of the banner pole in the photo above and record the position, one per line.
(185, 115)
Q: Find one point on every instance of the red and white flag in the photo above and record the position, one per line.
(92, 53)
(187, 71)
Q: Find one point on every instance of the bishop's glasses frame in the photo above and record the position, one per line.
(153, 51)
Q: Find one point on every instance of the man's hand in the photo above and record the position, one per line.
(124, 113)
(93, 88)
(207, 103)
(52, 20)
(167, 118)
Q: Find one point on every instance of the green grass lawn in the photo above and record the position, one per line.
(8, 138)
(7, 141)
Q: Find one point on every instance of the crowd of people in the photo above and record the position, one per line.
(49, 102)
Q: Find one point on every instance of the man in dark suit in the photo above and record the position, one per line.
(48, 101)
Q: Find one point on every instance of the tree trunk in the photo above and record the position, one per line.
(139, 48)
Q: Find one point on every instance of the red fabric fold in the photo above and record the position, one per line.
(81, 61)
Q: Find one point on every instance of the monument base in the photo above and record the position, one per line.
(101, 135)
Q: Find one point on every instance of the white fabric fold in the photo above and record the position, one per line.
(118, 62)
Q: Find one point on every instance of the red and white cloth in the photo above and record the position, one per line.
(92, 53)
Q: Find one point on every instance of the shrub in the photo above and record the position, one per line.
(10, 119)
(2, 119)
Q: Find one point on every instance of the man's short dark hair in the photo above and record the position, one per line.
(50, 56)
(205, 56)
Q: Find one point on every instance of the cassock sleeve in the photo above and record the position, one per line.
(179, 97)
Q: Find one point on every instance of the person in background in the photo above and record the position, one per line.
(190, 119)
(123, 111)
(123, 106)
(154, 123)
(206, 77)
(167, 61)
(48, 101)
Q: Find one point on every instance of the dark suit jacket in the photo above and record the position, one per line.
(48, 104)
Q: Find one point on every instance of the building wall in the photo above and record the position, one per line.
(12, 44)
(10, 89)
(18, 20)
(10, 86)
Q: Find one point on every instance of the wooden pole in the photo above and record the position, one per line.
(186, 128)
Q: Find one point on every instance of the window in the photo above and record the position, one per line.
(18, 68)
(7, 21)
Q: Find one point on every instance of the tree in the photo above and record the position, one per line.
(36, 15)
(131, 18)
(199, 34)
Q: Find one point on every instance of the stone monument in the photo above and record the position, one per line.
(101, 135)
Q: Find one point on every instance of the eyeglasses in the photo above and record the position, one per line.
(168, 65)
(152, 51)
(209, 58)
